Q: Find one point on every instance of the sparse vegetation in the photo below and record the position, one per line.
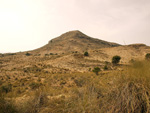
(6, 88)
(11, 54)
(96, 70)
(132, 61)
(27, 54)
(89, 69)
(116, 59)
(64, 80)
(79, 82)
(130, 90)
(6, 106)
(1, 82)
(34, 85)
(114, 92)
(46, 54)
(105, 67)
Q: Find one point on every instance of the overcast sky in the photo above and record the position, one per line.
(30, 24)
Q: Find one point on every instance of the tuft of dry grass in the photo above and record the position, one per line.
(7, 106)
(130, 92)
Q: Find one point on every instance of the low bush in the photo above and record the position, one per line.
(96, 70)
(147, 56)
(27, 54)
(86, 54)
(116, 59)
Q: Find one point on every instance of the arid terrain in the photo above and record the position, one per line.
(58, 77)
(66, 53)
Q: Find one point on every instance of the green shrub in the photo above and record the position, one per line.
(96, 70)
(147, 56)
(116, 59)
(27, 54)
(51, 54)
(86, 54)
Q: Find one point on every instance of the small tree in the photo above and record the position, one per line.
(86, 54)
(96, 70)
(28, 54)
(147, 56)
(116, 59)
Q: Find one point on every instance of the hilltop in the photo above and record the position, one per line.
(74, 41)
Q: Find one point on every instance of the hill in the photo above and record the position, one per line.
(74, 41)
(66, 54)
(41, 81)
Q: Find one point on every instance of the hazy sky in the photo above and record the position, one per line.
(29, 24)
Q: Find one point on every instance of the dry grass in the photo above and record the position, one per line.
(125, 91)
(130, 92)
(6, 106)
(52, 83)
